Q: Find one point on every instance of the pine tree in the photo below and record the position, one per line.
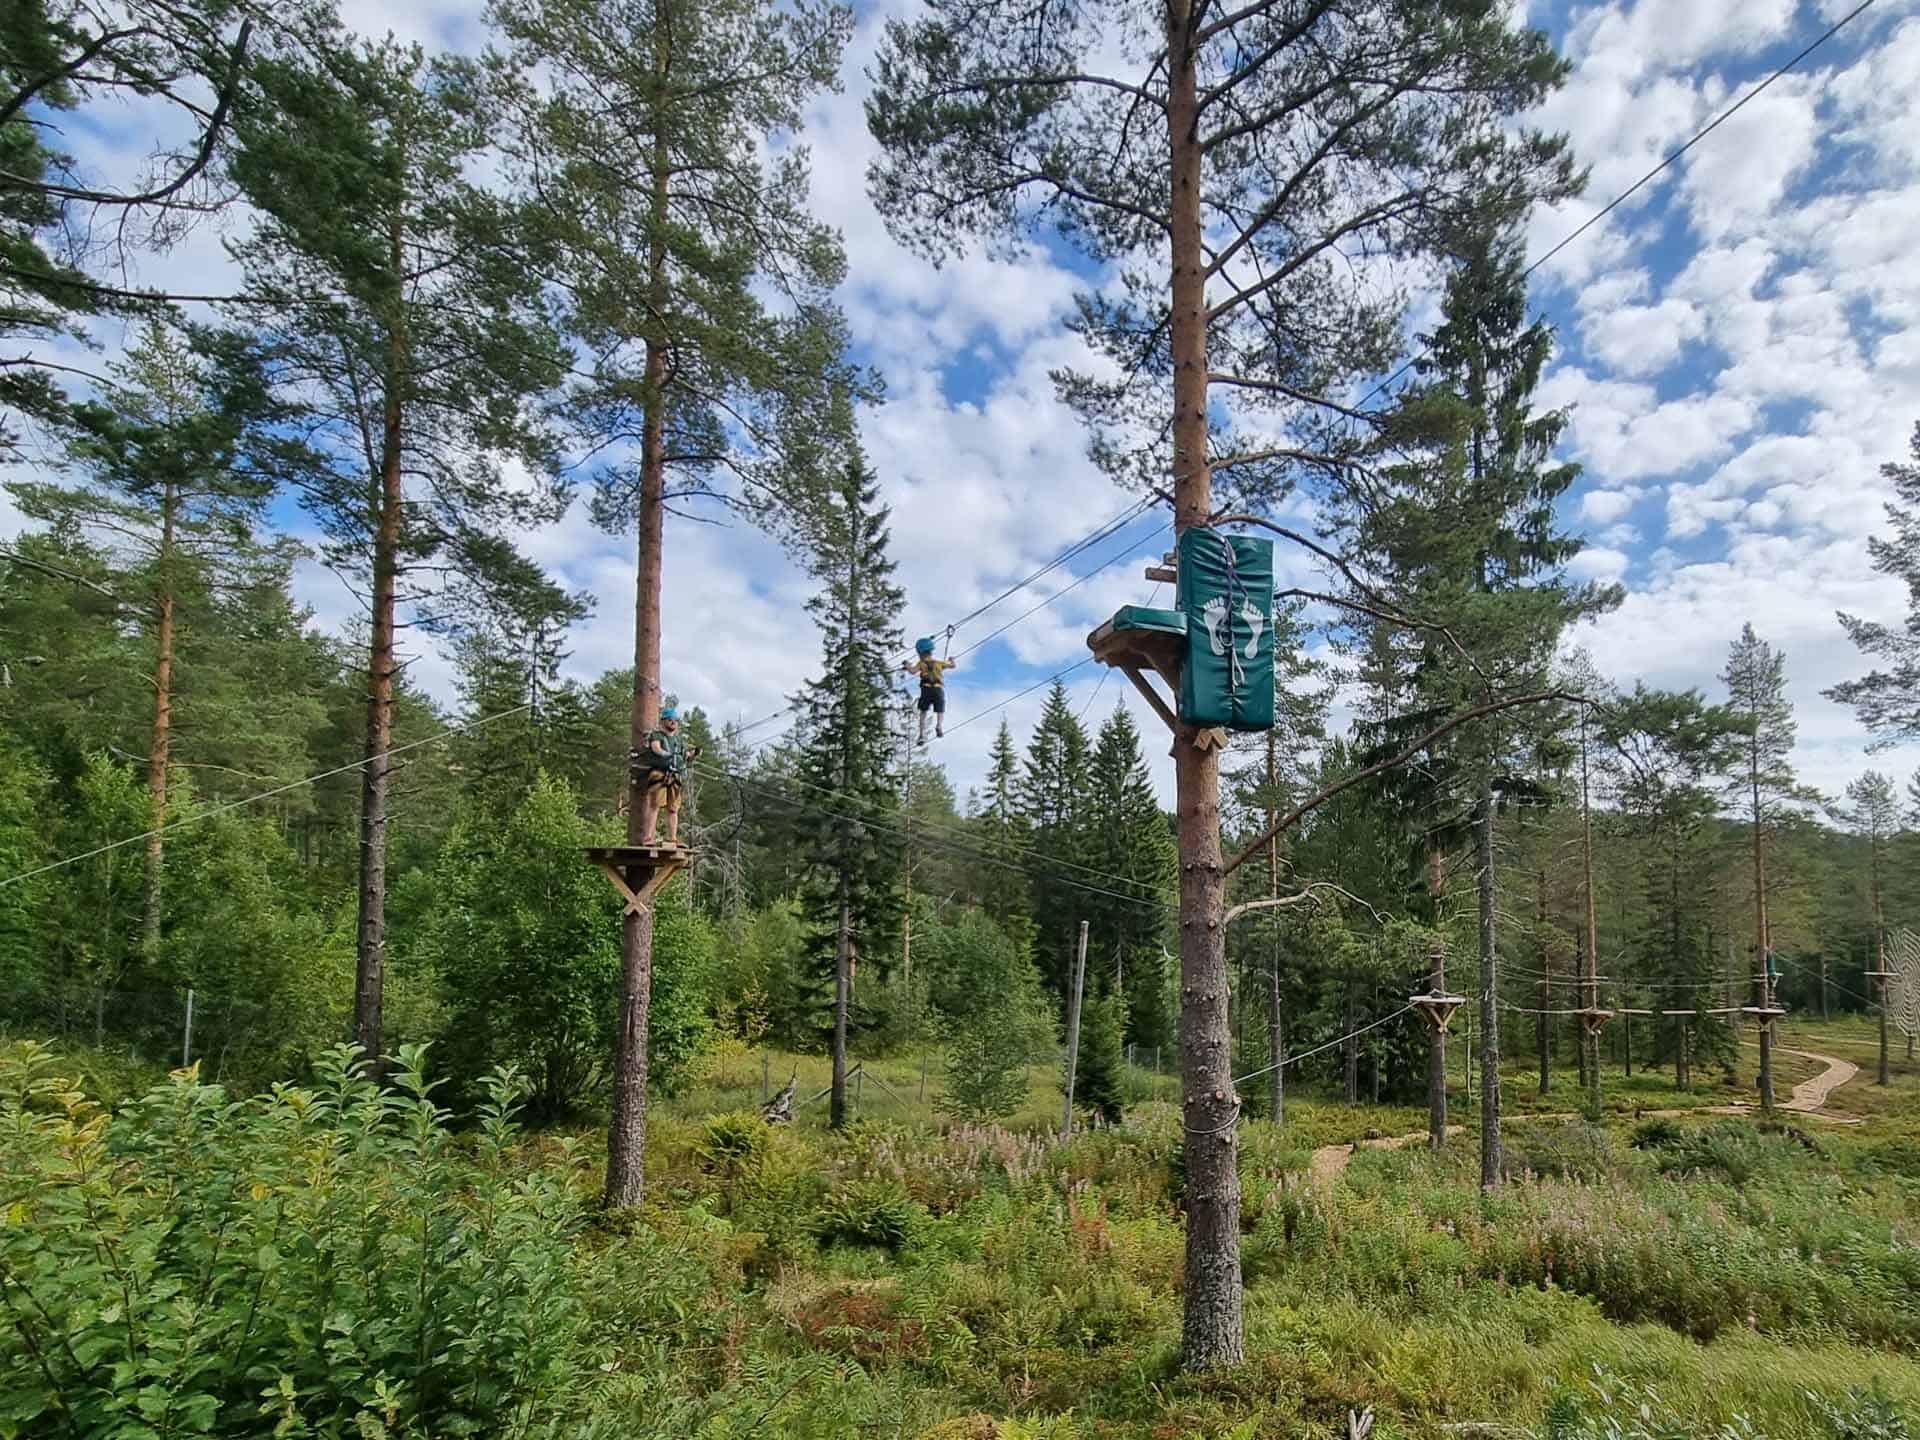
(1220, 160)
(848, 820)
(1873, 813)
(651, 140)
(1756, 681)
(403, 319)
(163, 69)
(1053, 805)
(176, 496)
(1888, 700)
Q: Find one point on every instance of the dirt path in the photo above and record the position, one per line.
(1808, 1096)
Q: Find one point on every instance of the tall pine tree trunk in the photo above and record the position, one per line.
(1212, 1332)
(1490, 1152)
(842, 995)
(1880, 956)
(627, 1111)
(1543, 1022)
(1436, 1034)
(1763, 946)
(161, 739)
(370, 976)
(1590, 942)
(1276, 1023)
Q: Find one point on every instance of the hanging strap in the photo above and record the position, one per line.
(1236, 598)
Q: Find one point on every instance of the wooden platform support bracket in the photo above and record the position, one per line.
(1593, 1018)
(1132, 653)
(638, 871)
(1437, 1008)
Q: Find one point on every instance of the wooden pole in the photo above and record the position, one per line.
(186, 1040)
(1073, 1028)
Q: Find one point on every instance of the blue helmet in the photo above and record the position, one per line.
(924, 645)
(668, 712)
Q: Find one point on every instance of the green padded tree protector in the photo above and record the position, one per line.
(1226, 593)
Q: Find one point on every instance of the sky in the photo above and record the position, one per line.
(1737, 344)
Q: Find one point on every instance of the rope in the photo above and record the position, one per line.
(195, 819)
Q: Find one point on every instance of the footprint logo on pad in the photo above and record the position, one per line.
(1214, 613)
(1256, 623)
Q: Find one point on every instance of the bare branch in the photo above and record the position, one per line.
(1327, 792)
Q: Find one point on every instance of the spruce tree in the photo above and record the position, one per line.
(399, 314)
(1756, 681)
(1131, 844)
(1466, 538)
(1054, 807)
(1000, 823)
(848, 820)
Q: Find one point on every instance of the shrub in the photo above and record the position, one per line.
(986, 1079)
(327, 1261)
(868, 1212)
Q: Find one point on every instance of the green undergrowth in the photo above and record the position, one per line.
(347, 1260)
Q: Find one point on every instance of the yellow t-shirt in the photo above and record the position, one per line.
(932, 671)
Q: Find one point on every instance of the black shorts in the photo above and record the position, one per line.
(934, 698)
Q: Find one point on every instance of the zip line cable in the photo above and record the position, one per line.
(195, 819)
(1321, 1049)
(937, 828)
(1101, 532)
(1651, 175)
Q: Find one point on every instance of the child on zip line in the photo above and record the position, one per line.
(933, 688)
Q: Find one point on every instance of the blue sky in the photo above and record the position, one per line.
(1738, 344)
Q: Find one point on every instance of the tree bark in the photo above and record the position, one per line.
(1543, 1022)
(842, 996)
(1590, 960)
(1680, 1076)
(1212, 1331)
(1276, 1024)
(370, 974)
(627, 1112)
(1763, 941)
(1490, 1149)
(1436, 1034)
(161, 739)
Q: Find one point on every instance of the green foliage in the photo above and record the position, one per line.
(1888, 699)
(525, 941)
(317, 1262)
(986, 1078)
(868, 1212)
(1100, 1084)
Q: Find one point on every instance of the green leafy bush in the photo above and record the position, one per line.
(868, 1212)
(310, 1262)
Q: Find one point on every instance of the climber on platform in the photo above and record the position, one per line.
(661, 771)
(933, 686)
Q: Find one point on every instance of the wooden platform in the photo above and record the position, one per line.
(1765, 1014)
(638, 871)
(1437, 1008)
(1132, 652)
(1592, 1018)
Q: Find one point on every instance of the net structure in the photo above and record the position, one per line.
(1903, 985)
